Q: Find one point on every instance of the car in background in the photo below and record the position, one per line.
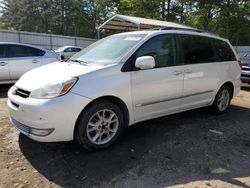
(67, 52)
(245, 65)
(18, 58)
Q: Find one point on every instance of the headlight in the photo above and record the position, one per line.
(54, 89)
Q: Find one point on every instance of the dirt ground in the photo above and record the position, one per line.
(173, 151)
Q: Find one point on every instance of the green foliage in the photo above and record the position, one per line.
(140, 8)
(227, 18)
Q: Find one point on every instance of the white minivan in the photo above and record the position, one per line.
(121, 80)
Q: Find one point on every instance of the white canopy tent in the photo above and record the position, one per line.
(122, 23)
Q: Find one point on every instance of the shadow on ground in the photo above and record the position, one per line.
(4, 90)
(161, 152)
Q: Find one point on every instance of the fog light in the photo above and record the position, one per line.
(41, 132)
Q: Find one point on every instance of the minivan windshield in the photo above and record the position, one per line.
(108, 50)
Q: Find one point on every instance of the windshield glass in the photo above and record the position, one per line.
(108, 50)
(60, 49)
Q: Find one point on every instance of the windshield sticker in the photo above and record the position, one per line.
(133, 38)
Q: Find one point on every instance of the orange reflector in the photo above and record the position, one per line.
(66, 88)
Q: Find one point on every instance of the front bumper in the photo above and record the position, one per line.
(56, 117)
(245, 74)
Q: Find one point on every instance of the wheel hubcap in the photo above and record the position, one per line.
(223, 100)
(102, 126)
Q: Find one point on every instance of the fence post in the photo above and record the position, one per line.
(19, 36)
(51, 43)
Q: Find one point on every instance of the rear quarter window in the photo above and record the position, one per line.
(223, 50)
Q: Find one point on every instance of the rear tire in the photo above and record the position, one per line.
(99, 126)
(222, 100)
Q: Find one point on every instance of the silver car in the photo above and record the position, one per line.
(245, 73)
(67, 52)
(17, 58)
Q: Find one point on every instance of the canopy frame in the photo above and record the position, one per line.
(122, 23)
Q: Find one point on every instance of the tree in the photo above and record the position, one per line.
(141, 8)
(228, 18)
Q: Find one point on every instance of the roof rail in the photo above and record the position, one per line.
(183, 29)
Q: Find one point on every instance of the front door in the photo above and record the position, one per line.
(158, 91)
(22, 59)
(4, 64)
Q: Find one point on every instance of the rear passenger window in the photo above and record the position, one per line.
(224, 52)
(24, 51)
(68, 50)
(197, 49)
(77, 49)
(162, 48)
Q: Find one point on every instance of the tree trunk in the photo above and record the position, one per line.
(163, 9)
(182, 11)
(62, 17)
(168, 10)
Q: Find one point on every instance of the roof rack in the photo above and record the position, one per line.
(183, 29)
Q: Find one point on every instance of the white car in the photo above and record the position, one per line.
(121, 80)
(17, 58)
(67, 52)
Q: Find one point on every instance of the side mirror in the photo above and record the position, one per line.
(145, 62)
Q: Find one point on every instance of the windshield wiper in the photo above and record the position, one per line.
(79, 61)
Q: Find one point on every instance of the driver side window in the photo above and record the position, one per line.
(162, 48)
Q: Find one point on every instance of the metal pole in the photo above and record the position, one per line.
(51, 43)
(98, 33)
(19, 37)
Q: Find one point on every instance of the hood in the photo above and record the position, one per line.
(51, 73)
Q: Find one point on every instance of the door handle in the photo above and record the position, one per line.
(3, 63)
(188, 70)
(35, 61)
(177, 72)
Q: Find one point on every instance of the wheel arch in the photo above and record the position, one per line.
(108, 98)
(230, 85)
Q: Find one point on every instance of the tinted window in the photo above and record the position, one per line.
(23, 51)
(2, 51)
(162, 48)
(197, 49)
(77, 49)
(68, 50)
(223, 50)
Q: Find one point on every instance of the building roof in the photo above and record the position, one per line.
(130, 23)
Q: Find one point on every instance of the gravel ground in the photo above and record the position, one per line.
(173, 151)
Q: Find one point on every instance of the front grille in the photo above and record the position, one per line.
(22, 93)
(245, 76)
(21, 127)
(245, 68)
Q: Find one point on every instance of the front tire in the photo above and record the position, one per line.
(222, 100)
(99, 126)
